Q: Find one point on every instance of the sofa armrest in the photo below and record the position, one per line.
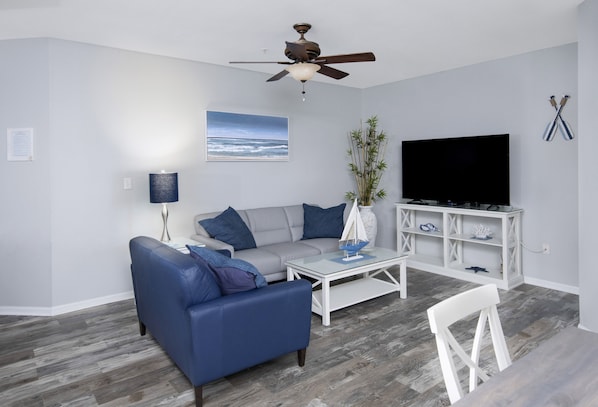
(241, 330)
(214, 244)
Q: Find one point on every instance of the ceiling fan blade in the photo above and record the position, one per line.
(332, 72)
(298, 52)
(262, 62)
(338, 59)
(279, 75)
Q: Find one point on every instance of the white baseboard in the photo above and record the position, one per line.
(27, 311)
(63, 309)
(551, 285)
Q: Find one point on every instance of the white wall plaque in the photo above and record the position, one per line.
(19, 144)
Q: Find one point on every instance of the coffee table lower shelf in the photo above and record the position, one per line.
(353, 292)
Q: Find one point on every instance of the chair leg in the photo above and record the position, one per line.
(301, 356)
(142, 328)
(198, 396)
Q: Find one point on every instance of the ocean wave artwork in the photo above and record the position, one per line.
(247, 148)
(236, 136)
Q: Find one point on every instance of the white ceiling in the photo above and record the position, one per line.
(409, 37)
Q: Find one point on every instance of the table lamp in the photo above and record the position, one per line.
(164, 188)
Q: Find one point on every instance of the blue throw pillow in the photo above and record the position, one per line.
(228, 227)
(232, 275)
(318, 222)
(208, 286)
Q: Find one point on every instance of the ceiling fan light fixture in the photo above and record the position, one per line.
(303, 71)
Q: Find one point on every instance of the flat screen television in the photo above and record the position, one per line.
(470, 171)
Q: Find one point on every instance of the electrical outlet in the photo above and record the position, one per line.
(545, 248)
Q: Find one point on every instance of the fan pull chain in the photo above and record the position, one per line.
(303, 91)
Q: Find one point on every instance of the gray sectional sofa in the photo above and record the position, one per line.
(279, 235)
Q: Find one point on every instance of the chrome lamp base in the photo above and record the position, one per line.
(165, 235)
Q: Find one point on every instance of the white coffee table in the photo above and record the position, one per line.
(326, 268)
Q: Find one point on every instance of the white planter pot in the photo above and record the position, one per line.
(370, 223)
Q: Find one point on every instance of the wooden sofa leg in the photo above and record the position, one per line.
(301, 356)
(198, 396)
(142, 329)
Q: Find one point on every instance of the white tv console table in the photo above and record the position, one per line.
(453, 251)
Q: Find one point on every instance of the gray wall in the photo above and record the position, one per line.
(504, 96)
(25, 214)
(103, 114)
(588, 165)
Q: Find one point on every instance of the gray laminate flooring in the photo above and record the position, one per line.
(379, 353)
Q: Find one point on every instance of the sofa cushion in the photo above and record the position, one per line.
(268, 225)
(228, 227)
(291, 251)
(266, 262)
(319, 222)
(323, 245)
(295, 217)
(232, 275)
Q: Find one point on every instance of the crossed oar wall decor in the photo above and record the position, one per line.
(558, 122)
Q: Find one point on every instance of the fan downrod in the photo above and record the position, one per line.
(311, 48)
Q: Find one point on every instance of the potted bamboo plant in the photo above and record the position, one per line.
(366, 151)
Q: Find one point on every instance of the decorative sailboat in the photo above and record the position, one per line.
(354, 237)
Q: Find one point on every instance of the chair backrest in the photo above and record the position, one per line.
(444, 314)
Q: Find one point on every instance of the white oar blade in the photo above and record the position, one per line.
(565, 130)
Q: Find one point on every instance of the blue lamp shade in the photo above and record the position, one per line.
(164, 187)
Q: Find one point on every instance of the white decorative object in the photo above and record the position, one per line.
(558, 122)
(370, 223)
(354, 236)
(481, 232)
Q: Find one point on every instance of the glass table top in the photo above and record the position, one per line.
(330, 263)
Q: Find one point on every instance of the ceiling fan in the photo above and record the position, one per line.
(305, 59)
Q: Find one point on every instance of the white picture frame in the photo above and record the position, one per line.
(19, 144)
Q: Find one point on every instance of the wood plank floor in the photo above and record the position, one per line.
(379, 353)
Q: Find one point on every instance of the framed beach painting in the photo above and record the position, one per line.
(246, 137)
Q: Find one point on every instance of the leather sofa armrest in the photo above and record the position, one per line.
(238, 331)
(214, 244)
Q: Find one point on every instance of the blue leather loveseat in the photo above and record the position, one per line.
(208, 335)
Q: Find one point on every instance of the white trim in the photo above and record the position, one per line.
(551, 285)
(63, 309)
(27, 311)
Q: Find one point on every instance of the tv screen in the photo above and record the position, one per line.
(457, 171)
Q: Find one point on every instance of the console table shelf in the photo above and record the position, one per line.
(453, 250)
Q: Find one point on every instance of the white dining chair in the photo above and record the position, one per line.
(442, 315)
